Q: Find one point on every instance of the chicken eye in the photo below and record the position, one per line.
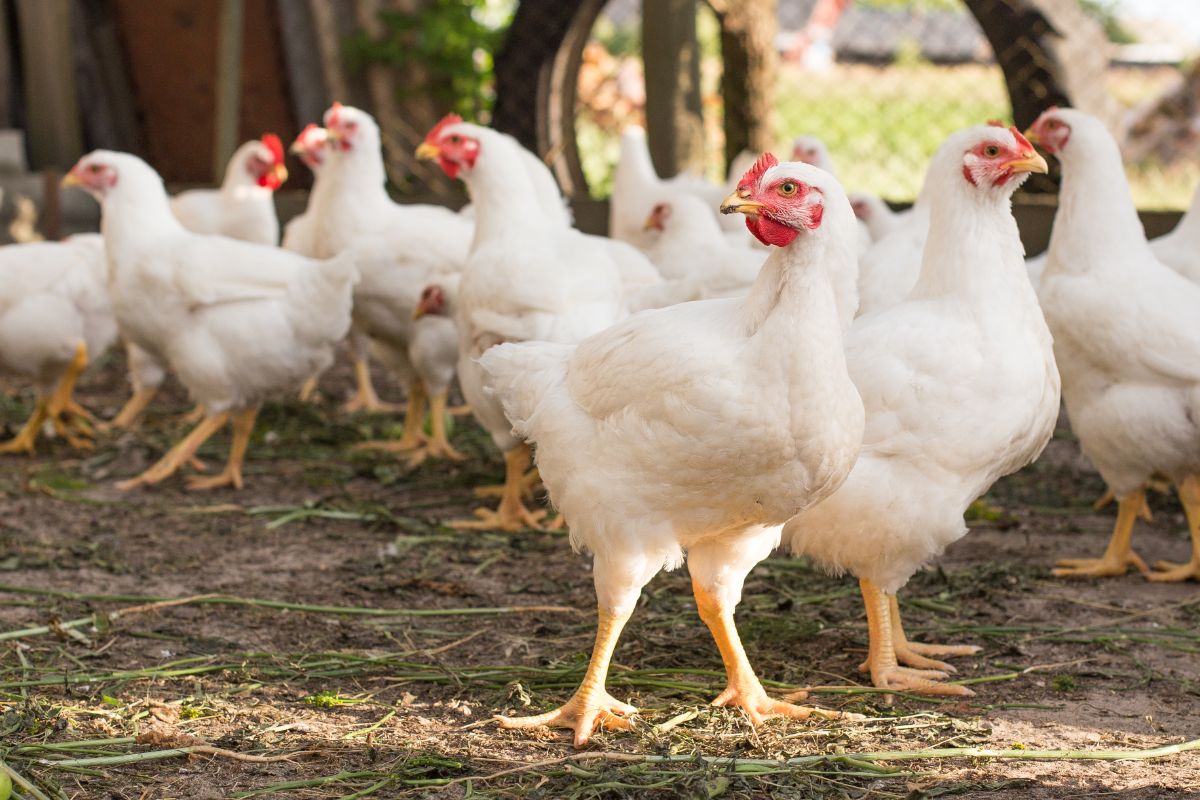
(787, 188)
(991, 151)
(455, 139)
(94, 168)
(1052, 124)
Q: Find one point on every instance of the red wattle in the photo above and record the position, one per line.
(770, 232)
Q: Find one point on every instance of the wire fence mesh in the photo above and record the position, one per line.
(883, 82)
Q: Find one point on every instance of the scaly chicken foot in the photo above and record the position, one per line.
(882, 662)
(1119, 555)
(511, 514)
(308, 390)
(437, 445)
(243, 425)
(413, 437)
(194, 416)
(365, 398)
(59, 409)
(1167, 571)
(743, 688)
(1144, 512)
(129, 414)
(529, 483)
(178, 455)
(591, 707)
(915, 654)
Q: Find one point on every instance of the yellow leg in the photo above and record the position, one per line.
(194, 416)
(308, 390)
(133, 408)
(591, 707)
(1144, 512)
(414, 415)
(243, 424)
(529, 483)
(914, 654)
(365, 398)
(1118, 556)
(744, 689)
(885, 669)
(178, 455)
(437, 446)
(25, 439)
(511, 514)
(1189, 496)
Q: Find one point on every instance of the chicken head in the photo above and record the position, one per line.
(1050, 131)
(453, 149)
(777, 203)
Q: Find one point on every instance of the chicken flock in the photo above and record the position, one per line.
(770, 363)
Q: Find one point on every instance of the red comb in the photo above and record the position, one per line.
(449, 119)
(764, 163)
(996, 123)
(332, 113)
(1020, 137)
(274, 145)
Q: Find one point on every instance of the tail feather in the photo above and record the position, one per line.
(521, 375)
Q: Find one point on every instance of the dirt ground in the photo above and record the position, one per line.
(388, 640)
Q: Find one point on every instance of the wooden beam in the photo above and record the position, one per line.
(51, 109)
(674, 122)
(230, 33)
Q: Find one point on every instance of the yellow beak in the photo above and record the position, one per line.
(736, 204)
(71, 179)
(280, 172)
(1030, 163)
(428, 151)
(650, 224)
(1031, 135)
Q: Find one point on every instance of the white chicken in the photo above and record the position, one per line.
(877, 215)
(960, 388)
(690, 250)
(698, 428)
(529, 277)
(813, 150)
(244, 207)
(399, 249)
(890, 267)
(637, 189)
(1127, 340)
(237, 322)
(311, 147)
(54, 317)
(1180, 249)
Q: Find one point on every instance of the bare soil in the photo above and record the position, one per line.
(401, 637)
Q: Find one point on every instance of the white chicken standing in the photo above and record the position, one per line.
(54, 317)
(1180, 249)
(244, 207)
(960, 388)
(529, 277)
(399, 249)
(237, 322)
(1127, 340)
(691, 250)
(698, 428)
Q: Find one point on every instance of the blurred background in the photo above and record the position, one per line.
(882, 82)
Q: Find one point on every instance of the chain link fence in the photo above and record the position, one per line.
(883, 82)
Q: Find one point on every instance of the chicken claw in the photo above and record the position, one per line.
(1106, 567)
(585, 713)
(504, 518)
(1170, 572)
(753, 699)
(920, 681)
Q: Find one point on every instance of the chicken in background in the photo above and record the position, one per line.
(529, 276)
(637, 189)
(1180, 249)
(55, 317)
(399, 249)
(694, 257)
(698, 428)
(960, 388)
(244, 207)
(237, 322)
(1127, 341)
(813, 150)
(877, 215)
(311, 147)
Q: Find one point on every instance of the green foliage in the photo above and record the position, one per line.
(622, 41)
(1063, 683)
(452, 41)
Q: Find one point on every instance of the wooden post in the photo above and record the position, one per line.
(230, 32)
(748, 29)
(52, 115)
(674, 123)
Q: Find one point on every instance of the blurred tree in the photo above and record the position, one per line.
(748, 29)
